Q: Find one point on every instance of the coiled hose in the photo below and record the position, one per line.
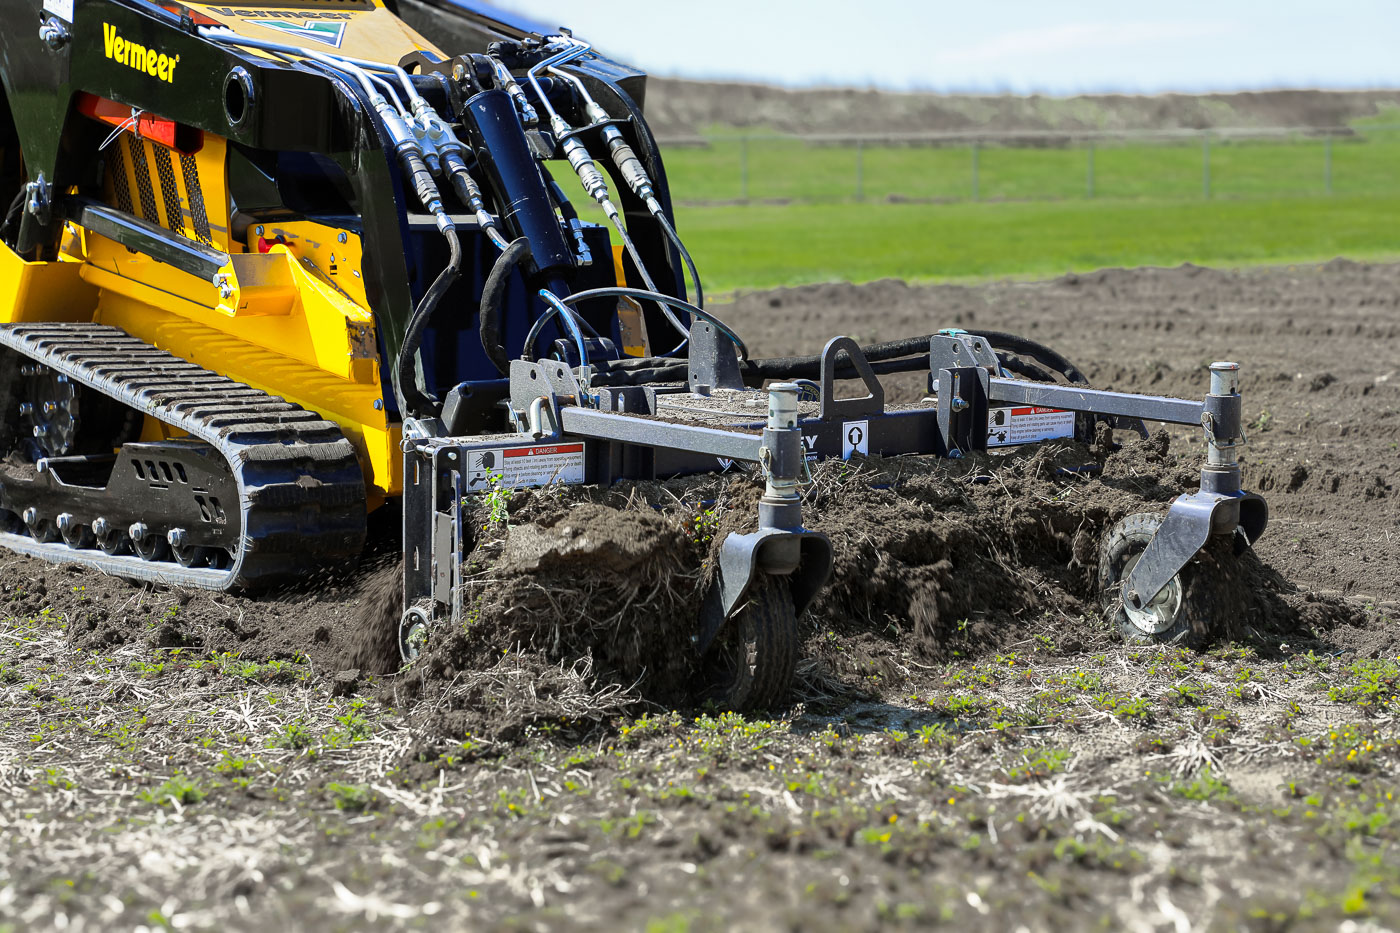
(909, 354)
(492, 299)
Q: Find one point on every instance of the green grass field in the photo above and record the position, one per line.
(787, 169)
(1268, 204)
(763, 246)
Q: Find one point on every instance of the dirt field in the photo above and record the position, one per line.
(970, 744)
(678, 107)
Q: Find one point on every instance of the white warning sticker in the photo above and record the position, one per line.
(63, 9)
(855, 438)
(1008, 426)
(533, 465)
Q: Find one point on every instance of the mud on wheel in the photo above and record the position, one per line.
(751, 664)
(1179, 615)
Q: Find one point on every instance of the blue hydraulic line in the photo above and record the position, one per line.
(556, 307)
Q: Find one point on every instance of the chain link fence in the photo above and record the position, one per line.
(975, 166)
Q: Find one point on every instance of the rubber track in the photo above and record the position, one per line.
(300, 489)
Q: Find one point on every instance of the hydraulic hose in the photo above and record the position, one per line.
(635, 175)
(909, 354)
(405, 384)
(1037, 351)
(664, 300)
(492, 299)
(570, 214)
(571, 322)
(685, 255)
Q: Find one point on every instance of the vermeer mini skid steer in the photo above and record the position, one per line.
(270, 266)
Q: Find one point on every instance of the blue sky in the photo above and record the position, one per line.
(999, 45)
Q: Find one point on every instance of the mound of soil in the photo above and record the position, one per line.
(587, 601)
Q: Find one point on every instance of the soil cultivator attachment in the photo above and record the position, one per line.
(264, 272)
(577, 431)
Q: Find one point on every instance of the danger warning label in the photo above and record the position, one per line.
(536, 465)
(1007, 426)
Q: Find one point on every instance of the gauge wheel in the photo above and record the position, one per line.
(1179, 613)
(751, 664)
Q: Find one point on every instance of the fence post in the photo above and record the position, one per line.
(1205, 164)
(744, 169)
(1327, 163)
(976, 185)
(1090, 181)
(860, 169)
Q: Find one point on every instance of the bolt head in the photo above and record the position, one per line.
(342, 237)
(26, 408)
(176, 537)
(40, 430)
(137, 530)
(99, 526)
(30, 515)
(259, 230)
(65, 519)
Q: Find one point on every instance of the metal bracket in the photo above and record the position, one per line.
(53, 33)
(1190, 522)
(962, 408)
(38, 200)
(845, 409)
(740, 558)
(714, 360)
(547, 379)
(953, 349)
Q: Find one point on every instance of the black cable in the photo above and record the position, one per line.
(685, 255)
(1037, 351)
(492, 298)
(412, 401)
(11, 218)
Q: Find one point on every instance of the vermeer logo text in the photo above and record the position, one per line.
(134, 55)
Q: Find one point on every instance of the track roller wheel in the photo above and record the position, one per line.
(1179, 614)
(42, 530)
(146, 544)
(189, 555)
(79, 537)
(751, 664)
(111, 539)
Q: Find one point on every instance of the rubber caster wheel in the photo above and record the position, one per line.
(751, 664)
(1178, 615)
(414, 629)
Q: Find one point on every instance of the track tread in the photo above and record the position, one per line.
(301, 490)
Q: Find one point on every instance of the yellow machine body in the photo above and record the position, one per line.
(287, 315)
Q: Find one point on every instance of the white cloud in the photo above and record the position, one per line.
(1076, 37)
